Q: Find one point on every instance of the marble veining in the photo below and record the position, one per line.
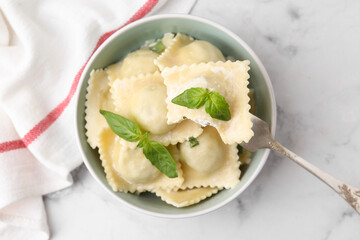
(311, 51)
(294, 13)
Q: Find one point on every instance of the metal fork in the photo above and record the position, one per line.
(263, 139)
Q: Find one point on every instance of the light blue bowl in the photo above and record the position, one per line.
(131, 38)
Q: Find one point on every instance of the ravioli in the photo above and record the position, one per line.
(138, 62)
(97, 97)
(147, 107)
(200, 157)
(187, 197)
(127, 169)
(167, 39)
(212, 163)
(186, 50)
(179, 134)
(230, 79)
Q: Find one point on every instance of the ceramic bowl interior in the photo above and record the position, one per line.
(131, 38)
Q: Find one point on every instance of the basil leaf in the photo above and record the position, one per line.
(144, 140)
(157, 46)
(193, 142)
(122, 127)
(191, 98)
(217, 107)
(160, 157)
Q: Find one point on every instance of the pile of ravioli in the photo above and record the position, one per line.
(140, 88)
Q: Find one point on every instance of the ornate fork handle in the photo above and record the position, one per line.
(346, 191)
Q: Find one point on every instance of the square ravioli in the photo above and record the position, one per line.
(230, 79)
(98, 97)
(138, 62)
(184, 50)
(186, 197)
(128, 170)
(211, 163)
(147, 107)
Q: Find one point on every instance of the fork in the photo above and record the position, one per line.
(263, 139)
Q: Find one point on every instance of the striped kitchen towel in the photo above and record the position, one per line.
(44, 46)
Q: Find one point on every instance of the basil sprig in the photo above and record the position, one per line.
(157, 46)
(158, 155)
(215, 104)
(193, 142)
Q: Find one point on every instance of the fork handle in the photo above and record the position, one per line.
(346, 191)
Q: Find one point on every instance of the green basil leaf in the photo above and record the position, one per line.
(191, 98)
(122, 127)
(217, 107)
(157, 46)
(160, 157)
(144, 140)
(193, 142)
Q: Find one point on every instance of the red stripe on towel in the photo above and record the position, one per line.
(49, 119)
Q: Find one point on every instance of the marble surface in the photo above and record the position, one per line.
(311, 50)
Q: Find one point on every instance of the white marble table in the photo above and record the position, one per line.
(311, 50)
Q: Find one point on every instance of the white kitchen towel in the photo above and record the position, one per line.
(44, 45)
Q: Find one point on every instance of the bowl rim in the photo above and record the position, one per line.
(262, 70)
